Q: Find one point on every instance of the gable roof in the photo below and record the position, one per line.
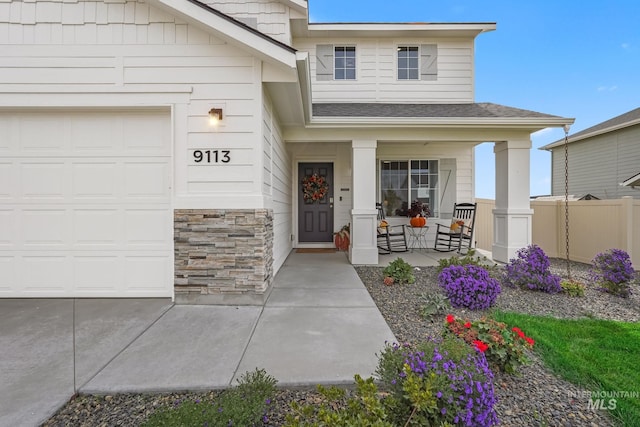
(619, 122)
(461, 114)
(231, 30)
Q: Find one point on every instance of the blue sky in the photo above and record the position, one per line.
(566, 58)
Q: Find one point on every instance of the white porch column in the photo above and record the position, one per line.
(363, 249)
(512, 214)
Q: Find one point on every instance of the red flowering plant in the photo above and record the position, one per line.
(504, 347)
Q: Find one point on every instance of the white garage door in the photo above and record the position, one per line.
(85, 204)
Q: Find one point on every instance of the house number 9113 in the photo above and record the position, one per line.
(211, 156)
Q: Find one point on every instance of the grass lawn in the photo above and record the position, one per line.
(599, 355)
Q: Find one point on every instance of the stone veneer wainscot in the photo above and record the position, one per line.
(223, 256)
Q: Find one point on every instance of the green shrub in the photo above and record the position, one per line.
(469, 259)
(243, 405)
(364, 409)
(400, 271)
(572, 288)
(434, 303)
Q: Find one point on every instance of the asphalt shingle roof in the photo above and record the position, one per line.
(471, 110)
(628, 117)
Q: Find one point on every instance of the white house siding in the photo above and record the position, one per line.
(130, 47)
(599, 164)
(376, 75)
(270, 17)
(277, 183)
(129, 55)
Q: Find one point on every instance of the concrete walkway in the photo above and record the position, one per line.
(319, 325)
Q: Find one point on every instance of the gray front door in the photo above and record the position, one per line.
(315, 202)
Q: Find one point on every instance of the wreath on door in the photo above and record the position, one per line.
(314, 188)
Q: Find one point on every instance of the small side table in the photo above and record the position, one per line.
(417, 237)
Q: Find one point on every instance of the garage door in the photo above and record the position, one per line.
(85, 204)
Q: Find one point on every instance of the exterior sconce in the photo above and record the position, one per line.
(215, 116)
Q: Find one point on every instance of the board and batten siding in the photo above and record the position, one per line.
(277, 186)
(599, 164)
(130, 54)
(376, 72)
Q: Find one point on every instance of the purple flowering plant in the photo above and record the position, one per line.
(438, 382)
(613, 271)
(469, 286)
(530, 270)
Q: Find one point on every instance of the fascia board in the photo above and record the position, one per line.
(230, 32)
(498, 123)
(399, 29)
(304, 79)
(634, 181)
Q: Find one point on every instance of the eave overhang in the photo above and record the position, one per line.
(587, 135)
(410, 29)
(532, 125)
(231, 30)
(632, 182)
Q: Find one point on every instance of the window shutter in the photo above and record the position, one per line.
(429, 62)
(324, 62)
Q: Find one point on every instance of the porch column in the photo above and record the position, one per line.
(512, 214)
(363, 249)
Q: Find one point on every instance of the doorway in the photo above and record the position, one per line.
(315, 202)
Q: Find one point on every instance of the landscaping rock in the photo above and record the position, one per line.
(534, 397)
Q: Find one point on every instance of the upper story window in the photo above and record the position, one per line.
(408, 63)
(404, 181)
(335, 62)
(418, 62)
(345, 62)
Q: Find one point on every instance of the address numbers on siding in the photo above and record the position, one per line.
(206, 157)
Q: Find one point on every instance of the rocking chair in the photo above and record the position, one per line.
(460, 233)
(390, 238)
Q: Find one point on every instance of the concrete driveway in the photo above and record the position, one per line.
(319, 325)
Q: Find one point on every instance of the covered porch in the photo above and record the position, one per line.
(360, 138)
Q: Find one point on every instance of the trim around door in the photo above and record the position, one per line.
(314, 204)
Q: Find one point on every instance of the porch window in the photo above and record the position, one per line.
(404, 181)
(345, 63)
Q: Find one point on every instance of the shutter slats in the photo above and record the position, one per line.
(324, 62)
(428, 62)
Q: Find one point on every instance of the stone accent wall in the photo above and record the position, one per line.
(223, 256)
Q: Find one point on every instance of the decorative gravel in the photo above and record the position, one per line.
(535, 397)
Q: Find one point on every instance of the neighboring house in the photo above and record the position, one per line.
(113, 183)
(604, 160)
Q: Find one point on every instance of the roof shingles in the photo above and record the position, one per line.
(471, 110)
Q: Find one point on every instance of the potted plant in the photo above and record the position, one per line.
(341, 238)
(419, 212)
